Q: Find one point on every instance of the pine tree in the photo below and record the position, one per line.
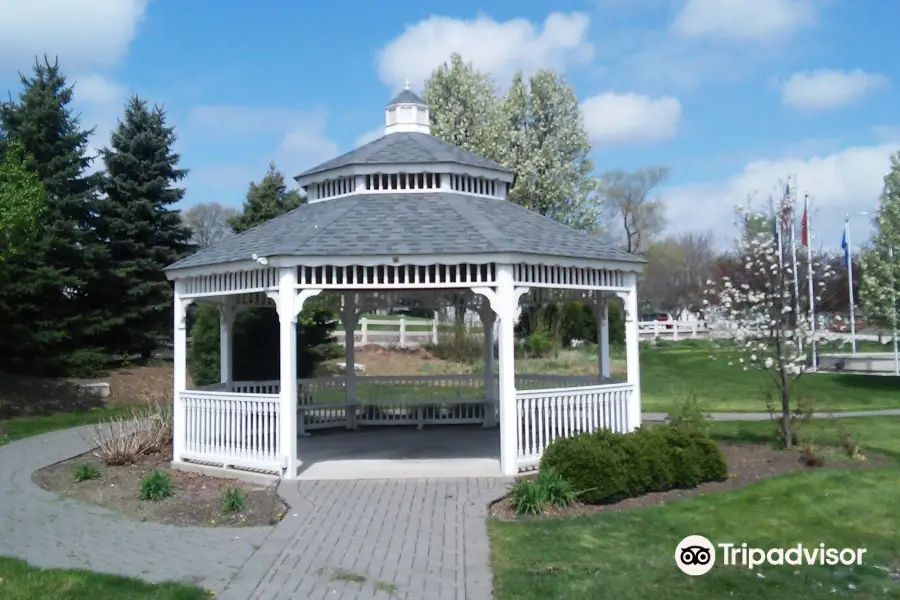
(52, 321)
(142, 231)
(266, 200)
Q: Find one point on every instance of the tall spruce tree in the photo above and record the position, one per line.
(141, 229)
(266, 200)
(52, 320)
(256, 331)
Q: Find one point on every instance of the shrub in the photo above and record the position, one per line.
(690, 411)
(146, 429)
(458, 346)
(531, 496)
(256, 345)
(605, 467)
(539, 345)
(156, 486)
(232, 500)
(86, 472)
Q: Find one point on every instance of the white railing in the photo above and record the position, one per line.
(394, 332)
(545, 415)
(232, 429)
(674, 330)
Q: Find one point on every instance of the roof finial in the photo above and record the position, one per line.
(406, 84)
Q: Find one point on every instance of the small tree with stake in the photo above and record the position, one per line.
(757, 300)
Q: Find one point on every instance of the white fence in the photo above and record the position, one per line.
(413, 333)
(402, 332)
(236, 430)
(237, 425)
(545, 415)
(673, 330)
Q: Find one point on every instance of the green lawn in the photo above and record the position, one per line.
(672, 372)
(16, 429)
(19, 581)
(630, 554)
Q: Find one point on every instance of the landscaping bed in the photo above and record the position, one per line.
(747, 463)
(196, 499)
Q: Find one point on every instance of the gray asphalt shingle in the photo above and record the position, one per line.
(406, 97)
(407, 148)
(407, 224)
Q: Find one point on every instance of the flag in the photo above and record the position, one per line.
(786, 208)
(804, 229)
(845, 247)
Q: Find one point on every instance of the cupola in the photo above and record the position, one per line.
(406, 113)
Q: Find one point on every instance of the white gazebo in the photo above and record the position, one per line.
(407, 213)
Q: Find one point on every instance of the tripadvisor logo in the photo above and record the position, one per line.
(696, 555)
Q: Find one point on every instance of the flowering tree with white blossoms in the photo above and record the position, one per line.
(758, 301)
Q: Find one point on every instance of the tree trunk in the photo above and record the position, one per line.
(786, 417)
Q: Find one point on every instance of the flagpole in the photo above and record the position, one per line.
(812, 286)
(894, 311)
(794, 267)
(850, 285)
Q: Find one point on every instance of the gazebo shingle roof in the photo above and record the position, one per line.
(407, 148)
(408, 224)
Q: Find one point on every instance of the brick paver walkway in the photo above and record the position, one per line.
(390, 539)
(48, 531)
(397, 539)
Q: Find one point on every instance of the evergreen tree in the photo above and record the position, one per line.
(266, 200)
(881, 261)
(256, 331)
(52, 320)
(143, 233)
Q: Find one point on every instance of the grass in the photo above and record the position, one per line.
(673, 372)
(23, 427)
(19, 581)
(630, 554)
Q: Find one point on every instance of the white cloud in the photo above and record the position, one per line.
(369, 136)
(828, 88)
(302, 142)
(499, 48)
(81, 35)
(611, 118)
(744, 20)
(839, 184)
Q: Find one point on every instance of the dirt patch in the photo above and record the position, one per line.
(22, 396)
(747, 463)
(138, 384)
(396, 361)
(196, 501)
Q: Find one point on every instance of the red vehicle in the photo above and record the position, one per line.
(658, 317)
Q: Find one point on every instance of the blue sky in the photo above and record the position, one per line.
(732, 95)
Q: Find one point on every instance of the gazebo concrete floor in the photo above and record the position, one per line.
(400, 452)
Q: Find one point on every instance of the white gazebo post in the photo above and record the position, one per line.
(179, 368)
(349, 317)
(504, 300)
(227, 314)
(490, 397)
(632, 350)
(601, 313)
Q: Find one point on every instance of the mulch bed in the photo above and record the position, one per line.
(194, 503)
(747, 463)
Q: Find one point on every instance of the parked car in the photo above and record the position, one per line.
(658, 316)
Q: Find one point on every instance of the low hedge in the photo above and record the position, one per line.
(605, 467)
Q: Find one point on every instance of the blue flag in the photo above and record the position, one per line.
(845, 247)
